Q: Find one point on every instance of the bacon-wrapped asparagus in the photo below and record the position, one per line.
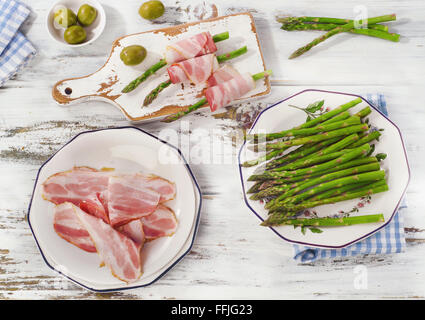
(194, 46)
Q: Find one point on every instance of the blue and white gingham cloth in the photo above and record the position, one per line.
(15, 50)
(391, 239)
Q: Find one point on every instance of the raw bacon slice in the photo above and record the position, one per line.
(195, 70)
(222, 94)
(129, 199)
(161, 223)
(194, 46)
(134, 230)
(68, 227)
(165, 188)
(81, 186)
(224, 73)
(117, 251)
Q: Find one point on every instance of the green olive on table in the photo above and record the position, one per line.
(133, 55)
(65, 17)
(86, 15)
(75, 35)
(151, 10)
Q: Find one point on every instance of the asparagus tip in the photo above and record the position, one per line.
(168, 119)
(381, 156)
(293, 55)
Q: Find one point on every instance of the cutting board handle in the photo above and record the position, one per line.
(73, 90)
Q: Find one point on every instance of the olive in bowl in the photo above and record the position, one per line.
(133, 55)
(65, 17)
(86, 15)
(75, 35)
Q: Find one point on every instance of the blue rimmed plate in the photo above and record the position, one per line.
(126, 149)
(279, 117)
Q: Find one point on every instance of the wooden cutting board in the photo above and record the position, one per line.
(106, 83)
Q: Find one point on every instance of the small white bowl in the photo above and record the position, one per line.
(93, 31)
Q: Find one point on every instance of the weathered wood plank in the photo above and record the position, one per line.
(232, 257)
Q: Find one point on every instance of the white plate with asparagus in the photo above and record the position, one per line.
(323, 169)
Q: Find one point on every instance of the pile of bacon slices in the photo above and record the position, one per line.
(112, 214)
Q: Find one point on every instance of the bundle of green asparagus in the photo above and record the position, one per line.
(332, 26)
(330, 160)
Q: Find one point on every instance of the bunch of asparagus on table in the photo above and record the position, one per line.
(332, 26)
(325, 160)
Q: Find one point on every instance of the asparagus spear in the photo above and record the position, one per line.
(269, 192)
(294, 182)
(161, 63)
(349, 164)
(302, 163)
(372, 32)
(155, 92)
(321, 128)
(180, 114)
(354, 153)
(298, 153)
(268, 156)
(340, 117)
(150, 71)
(298, 25)
(286, 200)
(280, 220)
(325, 20)
(204, 101)
(255, 188)
(362, 192)
(309, 124)
(337, 192)
(311, 148)
(280, 189)
(342, 28)
(301, 152)
(220, 36)
(221, 58)
(374, 135)
(364, 112)
(329, 153)
(318, 137)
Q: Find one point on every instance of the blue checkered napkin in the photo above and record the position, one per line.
(17, 55)
(15, 50)
(12, 15)
(390, 239)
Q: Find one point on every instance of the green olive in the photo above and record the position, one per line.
(86, 15)
(133, 55)
(151, 9)
(75, 35)
(65, 17)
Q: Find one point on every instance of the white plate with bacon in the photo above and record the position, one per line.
(114, 209)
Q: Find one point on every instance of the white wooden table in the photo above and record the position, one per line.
(232, 257)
